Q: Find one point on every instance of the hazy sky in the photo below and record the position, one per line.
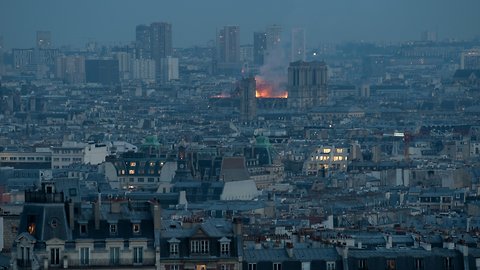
(194, 21)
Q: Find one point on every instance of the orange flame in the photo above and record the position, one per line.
(266, 89)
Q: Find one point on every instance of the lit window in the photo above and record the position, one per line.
(339, 150)
(131, 171)
(327, 150)
(133, 164)
(391, 265)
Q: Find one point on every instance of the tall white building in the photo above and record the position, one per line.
(274, 37)
(143, 69)
(470, 59)
(169, 67)
(124, 65)
(298, 45)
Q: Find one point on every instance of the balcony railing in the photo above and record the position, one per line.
(119, 263)
(24, 263)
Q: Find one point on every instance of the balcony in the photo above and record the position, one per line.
(24, 264)
(147, 263)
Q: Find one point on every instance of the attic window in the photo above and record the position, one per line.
(136, 228)
(83, 229)
(113, 228)
(31, 224)
(54, 223)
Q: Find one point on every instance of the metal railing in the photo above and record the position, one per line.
(109, 262)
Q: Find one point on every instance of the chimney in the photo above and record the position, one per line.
(71, 215)
(289, 248)
(389, 243)
(343, 251)
(187, 223)
(237, 226)
(463, 248)
(426, 246)
(155, 207)
(96, 213)
(449, 245)
(115, 206)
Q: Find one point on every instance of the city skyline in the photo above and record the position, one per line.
(325, 21)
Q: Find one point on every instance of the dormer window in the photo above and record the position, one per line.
(224, 246)
(83, 229)
(199, 246)
(113, 229)
(31, 224)
(174, 247)
(136, 228)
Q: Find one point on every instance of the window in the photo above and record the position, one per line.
(173, 267)
(362, 264)
(224, 267)
(418, 264)
(199, 246)
(131, 171)
(138, 255)
(140, 179)
(151, 179)
(252, 266)
(113, 229)
(173, 249)
(277, 266)
(83, 229)
(85, 256)
(225, 249)
(391, 265)
(448, 263)
(114, 255)
(24, 257)
(136, 228)
(331, 266)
